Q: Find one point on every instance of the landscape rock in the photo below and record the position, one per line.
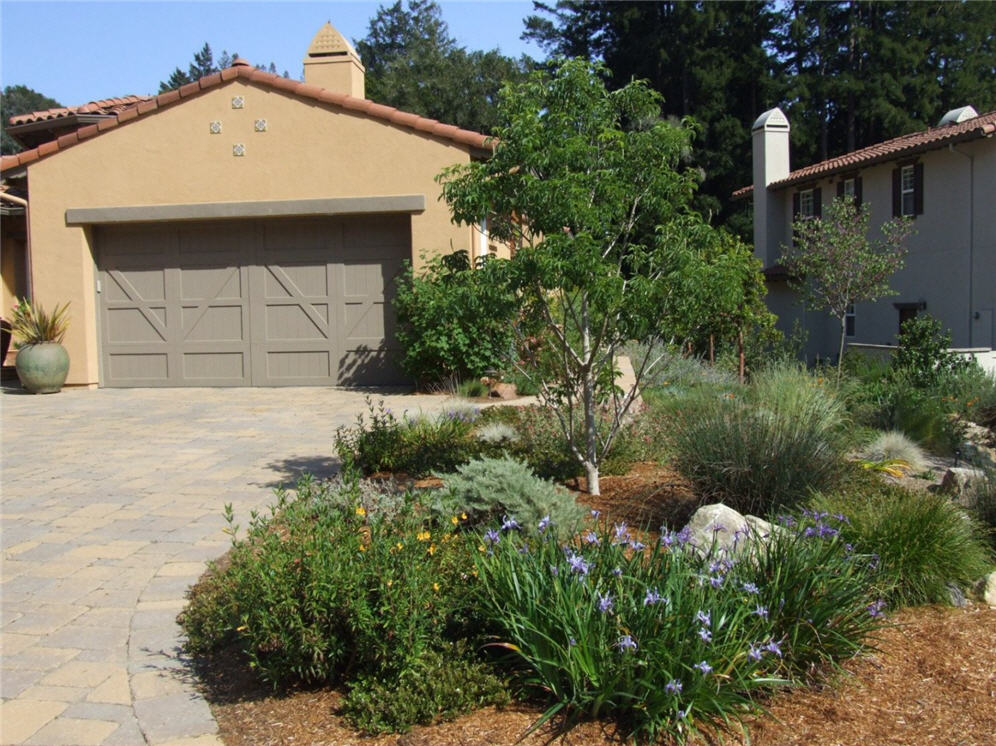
(989, 589)
(955, 596)
(722, 527)
(958, 480)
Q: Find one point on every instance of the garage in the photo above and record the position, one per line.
(261, 302)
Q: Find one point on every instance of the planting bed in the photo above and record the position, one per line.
(933, 679)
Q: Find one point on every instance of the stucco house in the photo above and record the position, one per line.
(243, 230)
(943, 178)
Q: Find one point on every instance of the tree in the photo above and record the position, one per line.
(414, 64)
(19, 99)
(836, 265)
(203, 65)
(589, 186)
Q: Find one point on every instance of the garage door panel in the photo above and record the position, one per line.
(271, 302)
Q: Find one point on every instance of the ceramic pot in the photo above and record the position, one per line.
(43, 367)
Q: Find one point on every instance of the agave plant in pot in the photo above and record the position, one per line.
(42, 362)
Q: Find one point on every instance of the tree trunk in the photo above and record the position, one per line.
(742, 358)
(591, 471)
(712, 350)
(840, 352)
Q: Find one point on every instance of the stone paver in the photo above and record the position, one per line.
(111, 505)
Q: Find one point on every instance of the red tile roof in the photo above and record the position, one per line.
(933, 138)
(105, 106)
(140, 107)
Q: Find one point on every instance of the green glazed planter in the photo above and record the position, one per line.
(43, 367)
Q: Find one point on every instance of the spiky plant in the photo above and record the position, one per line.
(32, 325)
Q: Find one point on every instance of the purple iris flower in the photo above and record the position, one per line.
(626, 644)
(703, 667)
(605, 603)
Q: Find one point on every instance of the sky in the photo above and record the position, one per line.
(76, 52)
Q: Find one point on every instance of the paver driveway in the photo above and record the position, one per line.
(112, 502)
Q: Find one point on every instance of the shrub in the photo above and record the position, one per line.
(764, 445)
(663, 637)
(415, 446)
(923, 542)
(454, 321)
(923, 352)
(473, 388)
(981, 500)
(489, 488)
(894, 446)
(439, 686)
(540, 444)
(320, 590)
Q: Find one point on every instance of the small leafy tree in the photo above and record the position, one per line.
(590, 187)
(836, 265)
(454, 321)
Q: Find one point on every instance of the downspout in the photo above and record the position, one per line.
(971, 237)
(27, 242)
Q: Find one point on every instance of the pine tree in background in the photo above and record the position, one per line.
(19, 99)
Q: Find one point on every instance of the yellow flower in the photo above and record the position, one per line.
(435, 587)
(399, 546)
(360, 511)
(480, 548)
(363, 547)
(432, 549)
(423, 536)
(390, 583)
(454, 520)
(474, 572)
(463, 516)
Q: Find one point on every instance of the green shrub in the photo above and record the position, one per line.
(762, 446)
(473, 388)
(438, 686)
(454, 321)
(923, 541)
(415, 446)
(322, 591)
(524, 385)
(923, 352)
(540, 441)
(489, 488)
(981, 500)
(664, 639)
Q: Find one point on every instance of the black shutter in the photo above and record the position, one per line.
(918, 189)
(897, 197)
(818, 202)
(795, 205)
(857, 191)
(840, 188)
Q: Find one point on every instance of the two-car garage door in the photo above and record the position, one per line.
(268, 302)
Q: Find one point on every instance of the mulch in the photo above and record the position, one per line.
(931, 678)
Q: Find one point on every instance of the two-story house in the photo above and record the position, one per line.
(944, 179)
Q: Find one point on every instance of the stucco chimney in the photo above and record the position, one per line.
(770, 135)
(332, 63)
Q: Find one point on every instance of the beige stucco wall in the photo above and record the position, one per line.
(309, 151)
(951, 263)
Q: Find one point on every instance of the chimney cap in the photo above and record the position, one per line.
(771, 119)
(957, 116)
(329, 42)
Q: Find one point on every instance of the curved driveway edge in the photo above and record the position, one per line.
(112, 502)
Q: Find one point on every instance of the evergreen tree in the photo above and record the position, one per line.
(414, 64)
(19, 99)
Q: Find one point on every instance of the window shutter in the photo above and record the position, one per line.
(840, 188)
(817, 202)
(897, 197)
(918, 189)
(795, 205)
(857, 191)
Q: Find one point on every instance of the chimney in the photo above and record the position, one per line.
(770, 135)
(957, 116)
(332, 63)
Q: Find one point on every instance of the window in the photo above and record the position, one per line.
(806, 203)
(849, 321)
(907, 190)
(849, 188)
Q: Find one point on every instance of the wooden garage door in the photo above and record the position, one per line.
(261, 303)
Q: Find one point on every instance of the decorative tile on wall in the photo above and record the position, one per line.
(238, 149)
(215, 127)
(238, 102)
(261, 125)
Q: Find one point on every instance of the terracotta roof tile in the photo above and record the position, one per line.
(933, 138)
(106, 106)
(133, 107)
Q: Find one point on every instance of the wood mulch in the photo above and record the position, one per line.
(932, 679)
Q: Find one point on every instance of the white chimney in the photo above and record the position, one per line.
(332, 63)
(770, 135)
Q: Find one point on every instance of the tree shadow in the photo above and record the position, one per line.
(289, 470)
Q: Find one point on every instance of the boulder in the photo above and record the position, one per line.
(958, 480)
(726, 530)
(988, 591)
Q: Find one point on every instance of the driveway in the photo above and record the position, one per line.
(112, 503)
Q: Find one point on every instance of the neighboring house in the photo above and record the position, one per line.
(244, 229)
(944, 179)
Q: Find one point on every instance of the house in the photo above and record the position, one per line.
(943, 178)
(243, 230)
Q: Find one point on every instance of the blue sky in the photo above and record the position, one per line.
(77, 52)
